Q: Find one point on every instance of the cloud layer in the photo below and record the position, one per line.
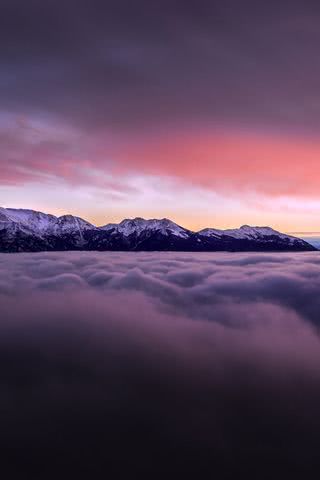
(220, 95)
(160, 364)
(131, 65)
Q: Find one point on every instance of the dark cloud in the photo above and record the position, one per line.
(159, 365)
(122, 64)
(210, 93)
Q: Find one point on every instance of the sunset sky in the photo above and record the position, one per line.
(206, 112)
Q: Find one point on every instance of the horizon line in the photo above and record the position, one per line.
(163, 218)
(303, 233)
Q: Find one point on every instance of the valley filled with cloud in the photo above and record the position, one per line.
(160, 363)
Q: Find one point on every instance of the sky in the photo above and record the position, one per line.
(206, 112)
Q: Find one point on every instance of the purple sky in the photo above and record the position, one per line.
(203, 111)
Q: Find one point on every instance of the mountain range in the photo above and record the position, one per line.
(24, 230)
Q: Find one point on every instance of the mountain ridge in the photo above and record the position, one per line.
(29, 230)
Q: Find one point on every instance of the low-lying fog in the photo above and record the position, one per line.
(162, 364)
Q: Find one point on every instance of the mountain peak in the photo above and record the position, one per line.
(250, 227)
(245, 227)
(29, 230)
(137, 225)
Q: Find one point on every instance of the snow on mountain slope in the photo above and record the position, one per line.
(42, 223)
(109, 226)
(69, 223)
(30, 219)
(247, 232)
(28, 230)
(138, 225)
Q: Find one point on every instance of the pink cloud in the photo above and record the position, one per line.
(223, 161)
(270, 164)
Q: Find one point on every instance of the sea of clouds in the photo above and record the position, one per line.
(162, 364)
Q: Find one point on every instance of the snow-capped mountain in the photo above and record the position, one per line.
(136, 226)
(28, 230)
(141, 234)
(248, 233)
(43, 223)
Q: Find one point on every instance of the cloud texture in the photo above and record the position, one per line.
(222, 96)
(160, 364)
